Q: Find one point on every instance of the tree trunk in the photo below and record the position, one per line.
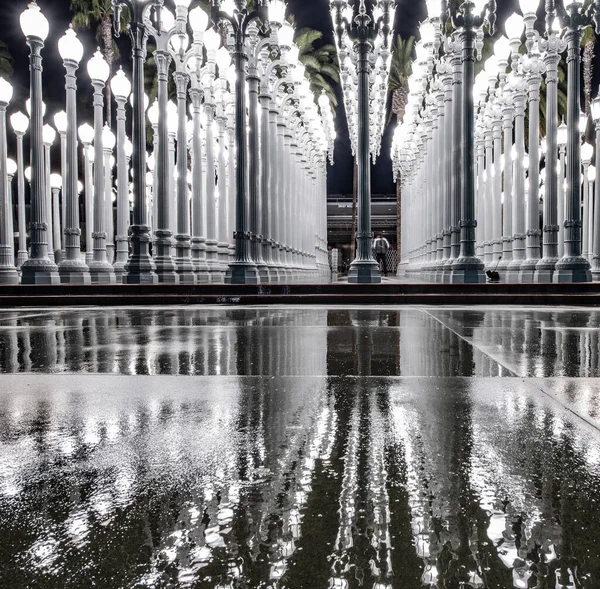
(588, 73)
(354, 201)
(107, 40)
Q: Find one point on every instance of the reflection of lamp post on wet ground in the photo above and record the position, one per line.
(20, 123)
(242, 270)
(140, 267)
(8, 272)
(39, 268)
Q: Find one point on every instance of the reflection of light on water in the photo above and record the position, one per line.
(78, 527)
(44, 553)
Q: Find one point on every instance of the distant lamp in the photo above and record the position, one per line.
(19, 122)
(61, 122)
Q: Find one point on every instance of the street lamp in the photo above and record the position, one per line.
(121, 89)
(20, 124)
(242, 270)
(48, 137)
(56, 184)
(587, 151)
(108, 143)
(72, 268)
(596, 232)
(101, 270)
(367, 32)
(573, 267)
(60, 123)
(471, 19)
(140, 266)
(8, 272)
(86, 136)
(38, 269)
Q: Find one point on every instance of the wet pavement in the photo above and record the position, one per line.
(300, 448)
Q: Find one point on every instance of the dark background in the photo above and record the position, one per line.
(309, 13)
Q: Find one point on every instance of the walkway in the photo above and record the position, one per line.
(299, 447)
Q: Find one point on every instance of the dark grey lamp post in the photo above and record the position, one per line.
(38, 269)
(470, 19)
(242, 270)
(362, 31)
(140, 267)
(573, 267)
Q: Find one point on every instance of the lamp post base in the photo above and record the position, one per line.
(74, 272)
(9, 275)
(364, 272)
(102, 273)
(39, 271)
(527, 271)
(576, 269)
(242, 273)
(468, 270)
(544, 271)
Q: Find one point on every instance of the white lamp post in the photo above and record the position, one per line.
(596, 228)
(48, 137)
(121, 89)
(108, 144)
(60, 123)
(72, 268)
(86, 136)
(20, 123)
(101, 270)
(587, 151)
(56, 184)
(8, 272)
(39, 268)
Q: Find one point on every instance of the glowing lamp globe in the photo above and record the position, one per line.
(502, 48)
(108, 138)
(149, 178)
(70, 47)
(34, 23)
(27, 173)
(120, 85)
(228, 7)
(491, 66)
(146, 101)
(434, 8)
(587, 150)
(86, 134)
(277, 11)
(292, 55)
(11, 167)
(19, 122)
(595, 109)
(28, 107)
(6, 92)
(97, 68)
(427, 32)
(514, 26)
(212, 40)
(79, 186)
(529, 7)
(167, 20)
(591, 174)
(198, 20)
(48, 135)
(61, 122)
(153, 114)
(582, 122)
(55, 181)
(223, 60)
(151, 162)
(128, 148)
(172, 118)
(286, 35)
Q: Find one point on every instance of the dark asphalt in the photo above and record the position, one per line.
(300, 447)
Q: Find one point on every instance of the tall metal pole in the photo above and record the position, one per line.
(72, 269)
(596, 232)
(22, 254)
(122, 238)
(364, 269)
(38, 269)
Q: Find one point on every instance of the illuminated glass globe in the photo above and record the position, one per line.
(70, 47)
(97, 68)
(120, 85)
(6, 92)
(86, 134)
(19, 122)
(34, 23)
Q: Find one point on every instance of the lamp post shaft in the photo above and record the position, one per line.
(596, 232)
(89, 203)
(8, 272)
(22, 254)
(72, 269)
(363, 269)
(38, 269)
(122, 238)
(140, 267)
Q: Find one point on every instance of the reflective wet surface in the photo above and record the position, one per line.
(300, 447)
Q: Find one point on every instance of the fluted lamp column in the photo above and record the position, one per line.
(38, 269)
(121, 89)
(72, 269)
(86, 136)
(596, 229)
(20, 123)
(8, 272)
(101, 270)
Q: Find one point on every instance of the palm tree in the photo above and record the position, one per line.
(588, 41)
(6, 61)
(401, 68)
(99, 13)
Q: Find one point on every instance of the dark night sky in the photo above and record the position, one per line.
(311, 13)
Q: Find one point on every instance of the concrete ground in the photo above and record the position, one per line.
(288, 447)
